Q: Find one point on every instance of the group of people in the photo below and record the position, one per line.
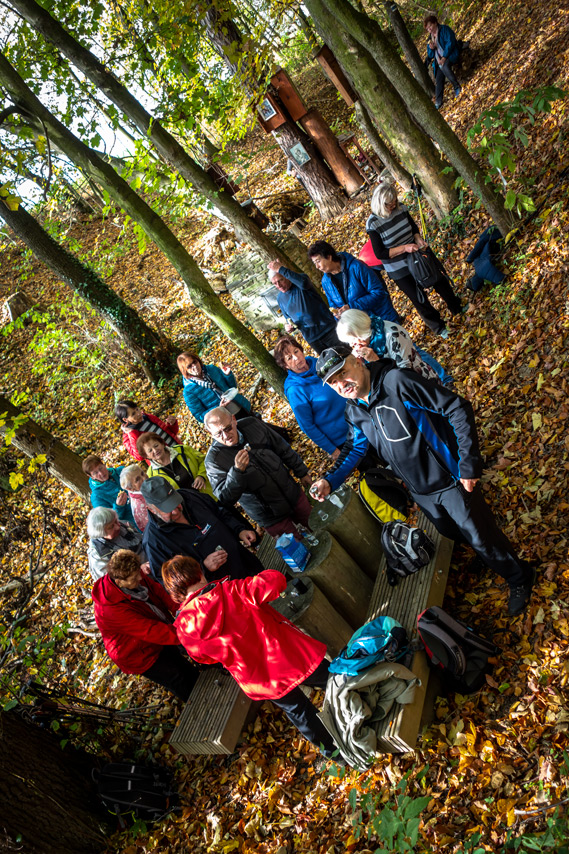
(168, 534)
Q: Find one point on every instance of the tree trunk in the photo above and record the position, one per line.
(32, 439)
(413, 148)
(383, 152)
(408, 47)
(153, 225)
(369, 34)
(150, 128)
(154, 355)
(47, 797)
(316, 177)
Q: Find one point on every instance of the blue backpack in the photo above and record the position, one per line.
(382, 639)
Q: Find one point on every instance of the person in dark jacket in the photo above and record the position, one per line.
(106, 490)
(427, 436)
(443, 52)
(187, 522)
(485, 253)
(394, 235)
(249, 463)
(135, 617)
(317, 408)
(349, 283)
(303, 307)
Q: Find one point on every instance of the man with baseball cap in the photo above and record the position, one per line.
(187, 522)
(427, 435)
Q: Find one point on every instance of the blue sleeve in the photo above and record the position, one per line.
(225, 381)
(304, 415)
(353, 450)
(376, 299)
(299, 279)
(193, 402)
(331, 293)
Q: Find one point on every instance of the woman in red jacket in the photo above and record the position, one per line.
(134, 421)
(231, 622)
(135, 617)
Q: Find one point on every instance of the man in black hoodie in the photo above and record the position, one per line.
(427, 436)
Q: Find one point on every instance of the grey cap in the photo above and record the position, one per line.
(331, 360)
(157, 491)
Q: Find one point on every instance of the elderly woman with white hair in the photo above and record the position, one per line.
(373, 338)
(303, 308)
(107, 534)
(394, 235)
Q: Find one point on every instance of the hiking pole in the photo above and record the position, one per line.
(418, 190)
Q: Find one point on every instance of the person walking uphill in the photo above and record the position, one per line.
(231, 622)
(427, 435)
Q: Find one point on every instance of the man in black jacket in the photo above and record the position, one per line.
(186, 522)
(251, 464)
(427, 435)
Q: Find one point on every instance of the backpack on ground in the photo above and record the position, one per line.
(425, 267)
(455, 649)
(382, 639)
(384, 496)
(406, 550)
(147, 792)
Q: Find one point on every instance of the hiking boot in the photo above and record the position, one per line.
(520, 596)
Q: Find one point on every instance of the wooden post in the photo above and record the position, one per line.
(344, 171)
(308, 608)
(353, 526)
(333, 71)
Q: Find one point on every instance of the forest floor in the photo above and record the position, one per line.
(494, 762)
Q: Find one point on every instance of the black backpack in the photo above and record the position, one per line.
(146, 792)
(456, 650)
(386, 498)
(406, 550)
(425, 267)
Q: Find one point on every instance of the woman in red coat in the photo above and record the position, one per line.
(231, 622)
(135, 617)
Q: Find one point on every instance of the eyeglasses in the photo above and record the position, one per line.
(222, 431)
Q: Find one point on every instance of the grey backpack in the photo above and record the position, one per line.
(406, 550)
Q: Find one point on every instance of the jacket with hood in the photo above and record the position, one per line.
(200, 399)
(231, 622)
(304, 307)
(265, 490)
(448, 46)
(190, 459)
(105, 494)
(422, 430)
(318, 409)
(358, 286)
(133, 634)
(131, 434)
(100, 550)
(210, 526)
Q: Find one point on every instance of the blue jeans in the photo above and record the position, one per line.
(300, 711)
(429, 360)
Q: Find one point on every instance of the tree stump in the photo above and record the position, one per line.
(353, 526)
(340, 579)
(18, 303)
(308, 608)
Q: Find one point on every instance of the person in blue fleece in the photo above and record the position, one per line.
(349, 283)
(106, 490)
(317, 408)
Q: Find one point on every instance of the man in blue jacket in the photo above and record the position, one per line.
(106, 490)
(349, 283)
(427, 436)
(303, 307)
(443, 51)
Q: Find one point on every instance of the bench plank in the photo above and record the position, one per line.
(399, 732)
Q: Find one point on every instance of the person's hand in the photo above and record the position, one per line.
(410, 247)
(336, 453)
(170, 419)
(215, 560)
(363, 352)
(422, 244)
(121, 498)
(241, 460)
(441, 60)
(342, 309)
(320, 489)
(225, 368)
(289, 327)
(145, 568)
(306, 481)
(469, 483)
(199, 483)
(247, 537)
(274, 266)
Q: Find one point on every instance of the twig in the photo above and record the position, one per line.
(541, 809)
(72, 630)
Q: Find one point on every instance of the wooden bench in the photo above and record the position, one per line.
(399, 732)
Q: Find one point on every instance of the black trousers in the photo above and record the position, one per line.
(174, 671)
(465, 516)
(330, 339)
(303, 714)
(420, 300)
(443, 73)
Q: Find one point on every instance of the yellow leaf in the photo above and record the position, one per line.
(536, 420)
